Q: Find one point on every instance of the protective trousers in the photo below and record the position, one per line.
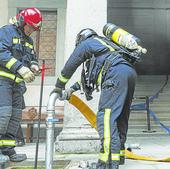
(114, 109)
(11, 105)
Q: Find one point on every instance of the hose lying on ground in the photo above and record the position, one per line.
(91, 117)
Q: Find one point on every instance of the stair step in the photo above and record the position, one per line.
(144, 122)
(137, 113)
(147, 134)
(140, 118)
(144, 126)
(149, 86)
(159, 101)
(162, 103)
(160, 109)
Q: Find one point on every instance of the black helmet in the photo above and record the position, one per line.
(84, 34)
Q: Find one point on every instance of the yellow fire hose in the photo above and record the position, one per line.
(91, 117)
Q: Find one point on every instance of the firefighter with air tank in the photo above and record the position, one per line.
(107, 62)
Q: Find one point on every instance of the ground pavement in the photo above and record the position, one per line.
(158, 147)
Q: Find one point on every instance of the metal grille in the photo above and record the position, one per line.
(47, 44)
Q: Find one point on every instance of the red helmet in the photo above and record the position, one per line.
(30, 16)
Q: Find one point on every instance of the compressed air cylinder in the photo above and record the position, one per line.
(121, 37)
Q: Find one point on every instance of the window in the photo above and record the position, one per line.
(47, 42)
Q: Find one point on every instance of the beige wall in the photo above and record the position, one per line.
(3, 12)
(76, 134)
(82, 14)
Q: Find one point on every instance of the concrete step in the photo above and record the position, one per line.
(144, 126)
(162, 98)
(136, 113)
(163, 105)
(151, 77)
(160, 101)
(147, 134)
(144, 117)
(165, 94)
(155, 103)
(160, 104)
(145, 93)
(143, 131)
(137, 123)
(149, 86)
(160, 108)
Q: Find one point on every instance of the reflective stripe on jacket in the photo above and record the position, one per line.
(16, 50)
(7, 143)
(11, 76)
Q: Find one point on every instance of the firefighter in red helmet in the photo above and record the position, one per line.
(31, 17)
(18, 64)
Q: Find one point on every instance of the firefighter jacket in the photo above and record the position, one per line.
(94, 47)
(16, 50)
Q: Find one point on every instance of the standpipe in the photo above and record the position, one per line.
(50, 121)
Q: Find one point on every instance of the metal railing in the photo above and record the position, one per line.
(146, 104)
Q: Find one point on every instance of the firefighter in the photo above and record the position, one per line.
(103, 65)
(18, 64)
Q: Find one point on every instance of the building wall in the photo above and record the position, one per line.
(33, 89)
(148, 20)
(91, 14)
(72, 16)
(87, 14)
(3, 12)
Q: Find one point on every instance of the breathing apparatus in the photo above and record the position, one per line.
(128, 43)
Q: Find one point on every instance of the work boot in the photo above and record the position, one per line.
(101, 165)
(17, 157)
(114, 165)
(3, 158)
(122, 160)
(93, 165)
(122, 155)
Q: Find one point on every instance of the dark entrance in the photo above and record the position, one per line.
(150, 21)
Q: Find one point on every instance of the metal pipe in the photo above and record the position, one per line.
(148, 114)
(50, 120)
(39, 115)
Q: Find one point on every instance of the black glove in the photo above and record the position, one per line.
(68, 92)
(57, 90)
(76, 86)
